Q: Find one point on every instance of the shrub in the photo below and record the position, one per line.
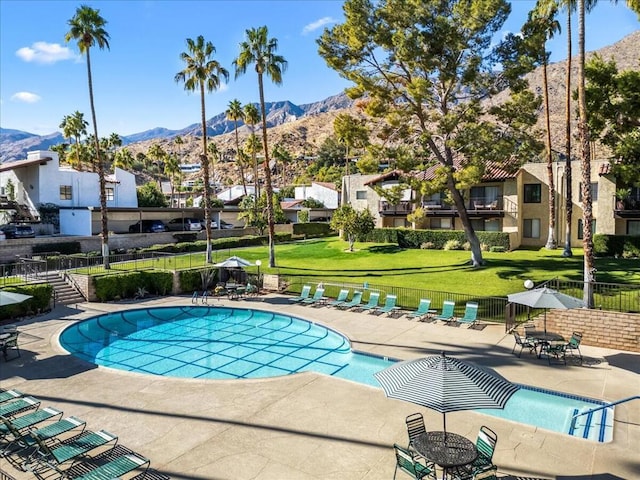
(467, 246)
(616, 245)
(497, 249)
(63, 248)
(313, 229)
(427, 246)
(406, 238)
(452, 245)
(40, 302)
(126, 285)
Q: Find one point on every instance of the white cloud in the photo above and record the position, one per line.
(310, 27)
(43, 52)
(26, 97)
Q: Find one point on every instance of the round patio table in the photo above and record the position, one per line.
(540, 337)
(446, 449)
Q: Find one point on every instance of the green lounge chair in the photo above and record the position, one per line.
(71, 449)
(10, 409)
(28, 420)
(27, 440)
(422, 310)
(447, 315)
(374, 298)
(389, 305)
(6, 395)
(470, 316)
(406, 462)
(117, 467)
(318, 297)
(354, 302)
(340, 299)
(304, 294)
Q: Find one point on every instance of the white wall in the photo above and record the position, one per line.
(328, 196)
(75, 222)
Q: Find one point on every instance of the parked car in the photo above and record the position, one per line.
(148, 226)
(184, 224)
(223, 225)
(18, 231)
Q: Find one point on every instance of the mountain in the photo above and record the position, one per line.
(15, 144)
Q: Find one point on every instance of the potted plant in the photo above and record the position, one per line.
(622, 195)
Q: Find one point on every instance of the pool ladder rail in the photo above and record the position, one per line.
(596, 423)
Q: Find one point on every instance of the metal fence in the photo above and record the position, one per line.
(617, 297)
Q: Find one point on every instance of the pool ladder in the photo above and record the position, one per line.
(599, 428)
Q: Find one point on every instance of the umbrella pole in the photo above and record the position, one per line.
(444, 425)
(545, 321)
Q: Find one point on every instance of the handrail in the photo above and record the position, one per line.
(602, 407)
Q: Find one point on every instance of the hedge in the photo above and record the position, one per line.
(128, 284)
(407, 238)
(40, 302)
(217, 244)
(62, 248)
(616, 245)
(312, 229)
(191, 280)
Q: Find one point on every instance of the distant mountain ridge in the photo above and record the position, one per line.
(14, 144)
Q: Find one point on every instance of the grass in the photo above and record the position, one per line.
(328, 261)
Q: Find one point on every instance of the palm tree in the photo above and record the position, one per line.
(235, 114)
(178, 141)
(123, 159)
(171, 170)
(74, 126)
(260, 50)
(202, 73)
(251, 118)
(214, 153)
(87, 27)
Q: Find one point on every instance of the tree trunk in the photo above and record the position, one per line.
(205, 168)
(238, 161)
(103, 190)
(267, 177)
(583, 131)
(551, 238)
(567, 170)
(472, 238)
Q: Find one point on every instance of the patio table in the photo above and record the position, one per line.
(446, 449)
(543, 338)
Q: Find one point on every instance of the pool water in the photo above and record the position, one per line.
(234, 343)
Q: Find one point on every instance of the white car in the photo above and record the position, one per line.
(214, 225)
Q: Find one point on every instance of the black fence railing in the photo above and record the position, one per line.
(619, 297)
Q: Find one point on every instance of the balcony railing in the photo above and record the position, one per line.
(402, 208)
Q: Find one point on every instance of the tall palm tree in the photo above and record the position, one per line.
(235, 114)
(251, 118)
(214, 156)
(260, 50)
(123, 159)
(74, 126)
(171, 170)
(87, 28)
(178, 141)
(202, 73)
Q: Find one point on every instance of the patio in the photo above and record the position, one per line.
(310, 426)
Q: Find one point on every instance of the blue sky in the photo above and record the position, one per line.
(42, 79)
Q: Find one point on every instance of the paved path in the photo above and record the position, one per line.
(310, 426)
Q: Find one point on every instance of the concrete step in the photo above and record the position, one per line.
(66, 293)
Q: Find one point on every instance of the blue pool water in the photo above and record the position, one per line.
(227, 343)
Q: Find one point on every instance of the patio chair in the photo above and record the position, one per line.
(6, 395)
(11, 409)
(355, 301)
(26, 421)
(304, 294)
(341, 298)
(486, 445)
(415, 427)
(574, 344)
(555, 350)
(54, 456)
(372, 304)
(117, 467)
(406, 461)
(447, 314)
(25, 440)
(389, 306)
(10, 342)
(422, 310)
(318, 297)
(523, 343)
(470, 316)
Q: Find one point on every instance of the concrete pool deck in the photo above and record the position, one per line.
(311, 426)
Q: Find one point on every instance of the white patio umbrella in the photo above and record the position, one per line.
(11, 298)
(234, 262)
(546, 298)
(445, 384)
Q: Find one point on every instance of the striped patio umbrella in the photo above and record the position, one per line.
(445, 384)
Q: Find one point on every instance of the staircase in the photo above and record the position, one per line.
(593, 425)
(65, 292)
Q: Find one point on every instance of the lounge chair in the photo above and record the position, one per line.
(422, 310)
(341, 298)
(28, 420)
(354, 302)
(6, 395)
(447, 314)
(11, 341)
(304, 294)
(470, 316)
(389, 305)
(523, 343)
(10, 409)
(25, 440)
(318, 297)
(54, 456)
(372, 304)
(406, 461)
(117, 467)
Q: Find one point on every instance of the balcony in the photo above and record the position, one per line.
(483, 204)
(402, 208)
(627, 208)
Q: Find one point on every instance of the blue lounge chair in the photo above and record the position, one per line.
(389, 305)
(26, 439)
(117, 467)
(422, 310)
(447, 314)
(354, 302)
(341, 298)
(318, 297)
(304, 294)
(470, 316)
(10, 409)
(374, 298)
(6, 395)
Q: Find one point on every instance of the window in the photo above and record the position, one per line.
(633, 227)
(580, 230)
(65, 192)
(361, 194)
(532, 193)
(440, 223)
(531, 228)
(109, 193)
(594, 192)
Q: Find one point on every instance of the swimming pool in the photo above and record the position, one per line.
(216, 343)
(234, 343)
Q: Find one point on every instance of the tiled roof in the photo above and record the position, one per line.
(286, 205)
(385, 176)
(493, 172)
(330, 185)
